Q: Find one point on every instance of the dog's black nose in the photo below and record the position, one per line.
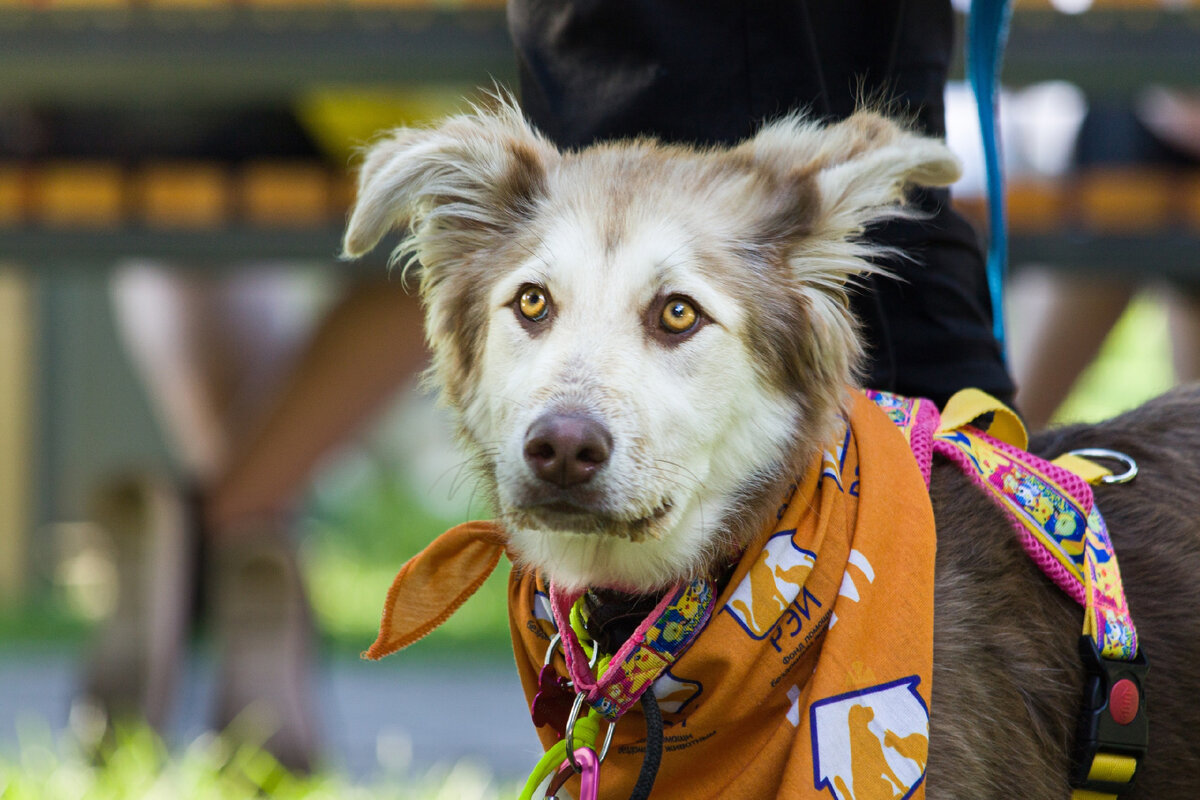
(567, 449)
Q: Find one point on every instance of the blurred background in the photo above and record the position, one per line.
(167, 162)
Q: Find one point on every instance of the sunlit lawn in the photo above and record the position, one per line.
(138, 767)
(1134, 365)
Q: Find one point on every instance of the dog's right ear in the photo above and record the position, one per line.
(454, 187)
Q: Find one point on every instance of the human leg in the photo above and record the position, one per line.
(208, 348)
(367, 346)
(192, 339)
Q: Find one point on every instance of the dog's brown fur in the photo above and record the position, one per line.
(1007, 681)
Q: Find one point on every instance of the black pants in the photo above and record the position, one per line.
(711, 71)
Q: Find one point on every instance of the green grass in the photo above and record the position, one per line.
(136, 766)
(1133, 365)
(358, 537)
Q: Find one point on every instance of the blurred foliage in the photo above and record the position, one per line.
(363, 526)
(43, 619)
(135, 765)
(1133, 366)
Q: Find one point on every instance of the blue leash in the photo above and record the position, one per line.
(987, 32)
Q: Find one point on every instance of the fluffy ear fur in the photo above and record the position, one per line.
(862, 167)
(848, 175)
(462, 190)
(865, 180)
(454, 187)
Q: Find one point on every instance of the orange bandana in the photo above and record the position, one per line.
(812, 679)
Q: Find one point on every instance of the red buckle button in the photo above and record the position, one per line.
(1123, 701)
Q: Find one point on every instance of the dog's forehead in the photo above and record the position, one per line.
(631, 219)
(639, 181)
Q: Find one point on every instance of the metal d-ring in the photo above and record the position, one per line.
(1131, 467)
(608, 737)
(550, 649)
(569, 735)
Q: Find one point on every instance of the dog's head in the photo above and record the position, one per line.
(638, 338)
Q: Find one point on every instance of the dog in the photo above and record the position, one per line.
(644, 344)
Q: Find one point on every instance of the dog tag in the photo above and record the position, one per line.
(552, 703)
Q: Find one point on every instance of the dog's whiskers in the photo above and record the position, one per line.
(514, 402)
(462, 472)
(678, 469)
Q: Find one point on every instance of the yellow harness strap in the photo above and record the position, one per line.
(969, 405)
(1111, 768)
(1085, 468)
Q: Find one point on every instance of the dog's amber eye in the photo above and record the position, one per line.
(679, 315)
(533, 303)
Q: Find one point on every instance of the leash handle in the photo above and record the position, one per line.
(987, 33)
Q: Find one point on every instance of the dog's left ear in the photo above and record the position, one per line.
(829, 182)
(865, 171)
(861, 169)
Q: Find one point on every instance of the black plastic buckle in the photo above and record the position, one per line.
(1113, 719)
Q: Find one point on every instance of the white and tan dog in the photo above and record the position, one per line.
(680, 314)
(642, 343)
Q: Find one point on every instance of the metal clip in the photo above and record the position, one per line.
(1131, 467)
(550, 649)
(570, 733)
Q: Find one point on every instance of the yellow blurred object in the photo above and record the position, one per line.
(1191, 200)
(289, 4)
(1124, 200)
(190, 4)
(284, 194)
(184, 195)
(343, 119)
(1036, 205)
(82, 194)
(87, 4)
(12, 194)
